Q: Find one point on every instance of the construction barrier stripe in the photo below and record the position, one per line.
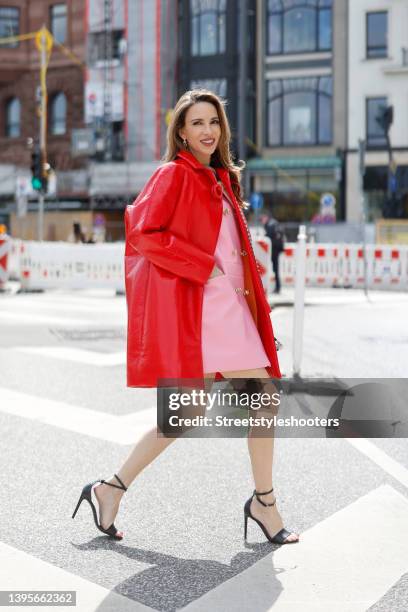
(4, 247)
(53, 265)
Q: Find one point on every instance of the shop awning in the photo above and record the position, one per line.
(287, 163)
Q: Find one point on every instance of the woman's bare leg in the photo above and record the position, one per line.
(150, 445)
(261, 454)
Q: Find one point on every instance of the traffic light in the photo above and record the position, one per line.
(39, 171)
(36, 170)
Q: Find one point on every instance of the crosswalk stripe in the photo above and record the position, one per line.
(343, 564)
(45, 307)
(384, 461)
(28, 573)
(77, 355)
(117, 429)
(39, 319)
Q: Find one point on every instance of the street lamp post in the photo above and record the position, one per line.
(44, 42)
(242, 81)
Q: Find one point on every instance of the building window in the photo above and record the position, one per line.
(58, 20)
(217, 86)
(375, 132)
(9, 24)
(118, 141)
(298, 26)
(377, 34)
(208, 27)
(299, 111)
(106, 45)
(58, 114)
(13, 118)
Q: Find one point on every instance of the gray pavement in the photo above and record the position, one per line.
(182, 517)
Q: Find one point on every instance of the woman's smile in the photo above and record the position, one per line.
(208, 142)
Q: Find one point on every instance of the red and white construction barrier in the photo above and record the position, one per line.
(340, 265)
(42, 265)
(45, 265)
(5, 244)
(14, 257)
(262, 250)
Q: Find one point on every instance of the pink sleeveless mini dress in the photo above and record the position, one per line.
(229, 337)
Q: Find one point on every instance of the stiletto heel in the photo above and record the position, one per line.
(87, 494)
(278, 538)
(78, 504)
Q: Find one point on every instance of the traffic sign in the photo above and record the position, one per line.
(327, 200)
(256, 200)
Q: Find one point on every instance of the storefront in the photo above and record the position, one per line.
(292, 187)
(375, 187)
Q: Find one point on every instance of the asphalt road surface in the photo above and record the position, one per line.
(67, 418)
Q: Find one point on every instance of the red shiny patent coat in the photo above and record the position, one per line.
(171, 234)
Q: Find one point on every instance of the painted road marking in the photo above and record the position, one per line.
(39, 319)
(22, 571)
(118, 429)
(71, 304)
(384, 461)
(77, 355)
(344, 564)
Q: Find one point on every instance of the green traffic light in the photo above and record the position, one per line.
(36, 184)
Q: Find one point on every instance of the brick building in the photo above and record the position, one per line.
(19, 82)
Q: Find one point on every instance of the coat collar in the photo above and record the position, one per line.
(193, 161)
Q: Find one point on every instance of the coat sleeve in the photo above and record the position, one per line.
(146, 223)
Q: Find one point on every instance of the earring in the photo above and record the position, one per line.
(185, 143)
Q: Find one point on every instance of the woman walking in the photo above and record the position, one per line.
(196, 305)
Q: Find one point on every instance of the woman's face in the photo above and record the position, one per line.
(202, 130)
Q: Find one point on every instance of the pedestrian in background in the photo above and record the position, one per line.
(274, 231)
(196, 305)
(77, 235)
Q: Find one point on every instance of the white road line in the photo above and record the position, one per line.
(344, 564)
(77, 355)
(43, 307)
(384, 461)
(21, 571)
(117, 429)
(37, 319)
(73, 303)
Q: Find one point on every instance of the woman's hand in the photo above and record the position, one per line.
(216, 272)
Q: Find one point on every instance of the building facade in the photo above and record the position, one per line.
(304, 81)
(216, 51)
(19, 91)
(378, 77)
(301, 110)
(108, 103)
(130, 89)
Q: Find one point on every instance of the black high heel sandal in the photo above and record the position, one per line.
(87, 494)
(278, 538)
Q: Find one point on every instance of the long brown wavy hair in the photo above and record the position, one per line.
(222, 154)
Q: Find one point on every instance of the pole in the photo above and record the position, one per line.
(298, 314)
(361, 151)
(40, 216)
(43, 128)
(107, 80)
(242, 82)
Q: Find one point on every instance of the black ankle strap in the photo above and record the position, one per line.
(116, 486)
(257, 494)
